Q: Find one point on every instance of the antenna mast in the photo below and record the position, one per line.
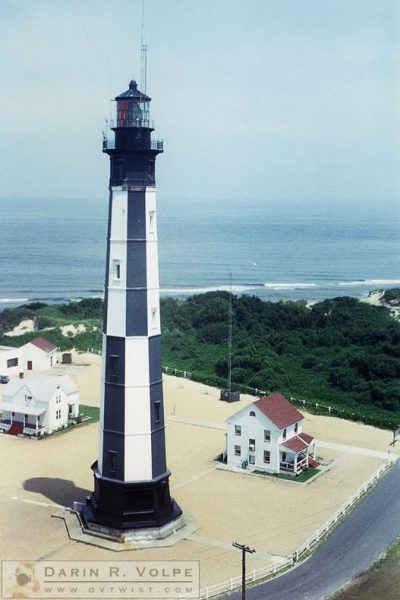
(143, 61)
(227, 395)
(230, 335)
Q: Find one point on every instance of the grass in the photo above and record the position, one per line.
(92, 412)
(302, 478)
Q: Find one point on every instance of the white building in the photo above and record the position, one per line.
(38, 355)
(267, 436)
(38, 404)
(11, 361)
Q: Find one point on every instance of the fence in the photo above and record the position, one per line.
(230, 585)
(177, 372)
(312, 405)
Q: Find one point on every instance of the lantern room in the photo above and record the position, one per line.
(133, 109)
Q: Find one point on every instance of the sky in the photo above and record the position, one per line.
(259, 100)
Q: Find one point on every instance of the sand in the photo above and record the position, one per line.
(25, 326)
(275, 516)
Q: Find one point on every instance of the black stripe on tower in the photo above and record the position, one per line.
(136, 216)
(159, 466)
(136, 313)
(136, 267)
(114, 409)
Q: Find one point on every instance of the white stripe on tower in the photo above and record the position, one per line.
(117, 265)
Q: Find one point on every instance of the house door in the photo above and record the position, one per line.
(29, 365)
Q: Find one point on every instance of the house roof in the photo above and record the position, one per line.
(279, 410)
(42, 387)
(298, 443)
(43, 344)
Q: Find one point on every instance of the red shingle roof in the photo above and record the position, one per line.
(43, 345)
(279, 410)
(307, 438)
(299, 442)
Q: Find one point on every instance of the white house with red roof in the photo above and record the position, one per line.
(38, 355)
(267, 436)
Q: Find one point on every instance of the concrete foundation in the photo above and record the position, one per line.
(119, 540)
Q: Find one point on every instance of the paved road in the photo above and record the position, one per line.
(352, 548)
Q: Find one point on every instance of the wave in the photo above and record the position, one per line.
(369, 282)
(289, 286)
(11, 300)
(202, 290)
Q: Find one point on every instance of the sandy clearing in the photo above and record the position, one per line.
(275, 516)
(24, 326)
(72, 330)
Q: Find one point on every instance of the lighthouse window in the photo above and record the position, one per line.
(112, 456)
(152, 220)
(114, 365)
(154, 316)
(117, 269)
(157, 412)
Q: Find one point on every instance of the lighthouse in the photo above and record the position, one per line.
(131, 478)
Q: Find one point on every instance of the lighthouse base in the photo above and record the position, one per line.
(123, 505)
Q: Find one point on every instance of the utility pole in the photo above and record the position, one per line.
(244, 549)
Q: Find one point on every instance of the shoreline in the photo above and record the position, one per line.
(266, 293)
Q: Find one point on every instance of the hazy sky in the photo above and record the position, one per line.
(257, 99)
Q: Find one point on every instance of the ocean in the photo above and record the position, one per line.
(54, 251)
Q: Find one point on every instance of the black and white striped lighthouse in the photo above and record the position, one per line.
(131, 476)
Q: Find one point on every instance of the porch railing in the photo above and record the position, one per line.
(289, 466)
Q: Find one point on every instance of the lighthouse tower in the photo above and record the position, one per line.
(131, 488)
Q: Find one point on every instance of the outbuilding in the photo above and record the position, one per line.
(39, 355)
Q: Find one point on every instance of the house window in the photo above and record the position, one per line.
(116, 270)
(252, 413)
(238, 430)
(237, 451)
(267, 435)
(114, 365)
(296, 427)
(157, 411)
(283, 456)
(267, 456)
(252, 459)
(284, 434)
(12, 362)
(252, 445)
